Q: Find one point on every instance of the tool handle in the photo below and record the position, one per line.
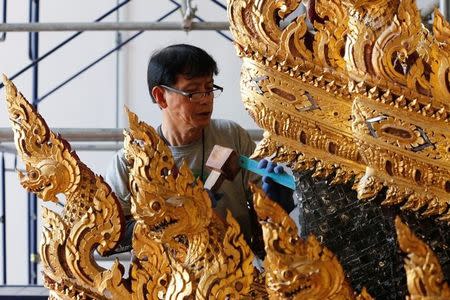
(252, 165)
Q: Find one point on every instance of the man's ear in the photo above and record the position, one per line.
(158, 94)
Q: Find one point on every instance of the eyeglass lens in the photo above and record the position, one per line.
(199, 96)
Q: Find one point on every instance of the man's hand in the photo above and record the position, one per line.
(278, 193)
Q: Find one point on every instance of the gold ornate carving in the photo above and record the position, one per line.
(92, 219)
(297, 269)
(361, 95)
(423, 272)
(441, 28)
(182, 249)
(205, 256)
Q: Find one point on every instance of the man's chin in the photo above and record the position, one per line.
(203, 121)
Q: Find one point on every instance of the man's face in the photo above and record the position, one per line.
(181, 111)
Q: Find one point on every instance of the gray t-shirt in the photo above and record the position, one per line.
(219, 132)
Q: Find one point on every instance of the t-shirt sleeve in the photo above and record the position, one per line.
(117, 178)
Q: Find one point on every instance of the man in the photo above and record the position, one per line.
(180, 81)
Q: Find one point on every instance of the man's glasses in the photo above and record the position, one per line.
(197, 96)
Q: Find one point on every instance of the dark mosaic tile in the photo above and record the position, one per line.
(362, 235)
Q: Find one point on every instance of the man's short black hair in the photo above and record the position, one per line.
(181, 59)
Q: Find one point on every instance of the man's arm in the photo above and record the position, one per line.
(117, 178)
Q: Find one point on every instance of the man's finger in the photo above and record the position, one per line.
(267, 180)
(262, 164)
(278, 169)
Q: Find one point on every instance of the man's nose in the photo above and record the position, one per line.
(207, 97)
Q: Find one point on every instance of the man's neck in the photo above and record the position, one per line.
(180, 136)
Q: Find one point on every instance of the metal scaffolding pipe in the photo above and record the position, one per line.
(97, 134)
(3, 35)
(75, 134)
(111, 26)
(9, 148)
(3, 216)
(33, 53)
(444, 6)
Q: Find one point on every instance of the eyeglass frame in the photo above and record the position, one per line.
(189, 95)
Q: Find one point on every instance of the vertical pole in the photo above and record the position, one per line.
(32, 199)
(118, 42)
(444, 6)
(3, 35)
(3, 217)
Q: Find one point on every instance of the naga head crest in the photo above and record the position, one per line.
(49, 162)
(168, 199)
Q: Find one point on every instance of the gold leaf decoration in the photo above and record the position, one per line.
(441, 28)
(92, 218)
(297, 269)
(181, 248)
(424, 275)
(365, 88)
(178, 237)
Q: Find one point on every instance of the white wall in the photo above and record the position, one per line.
(89, 100)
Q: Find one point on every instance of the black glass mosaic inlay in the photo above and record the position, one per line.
(362, 235)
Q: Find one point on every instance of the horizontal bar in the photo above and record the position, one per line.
(123, 257)
(111, 26)
(23, 292)
(75, 134)
(98, 134)
(11, 149)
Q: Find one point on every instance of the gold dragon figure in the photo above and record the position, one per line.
(424, 275)
(182, 249)
(203, 257)
(297, 269)
(91, 220)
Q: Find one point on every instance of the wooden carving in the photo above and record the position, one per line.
(297, 269)
(354, 90)
(182, 249)
(201, 257)
(423, 272)
(92, 218)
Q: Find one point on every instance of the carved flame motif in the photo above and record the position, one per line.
(361, 95)
(399, 110)
(423, 272)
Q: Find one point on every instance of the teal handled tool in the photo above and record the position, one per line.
(252, 165)
(225, 163)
